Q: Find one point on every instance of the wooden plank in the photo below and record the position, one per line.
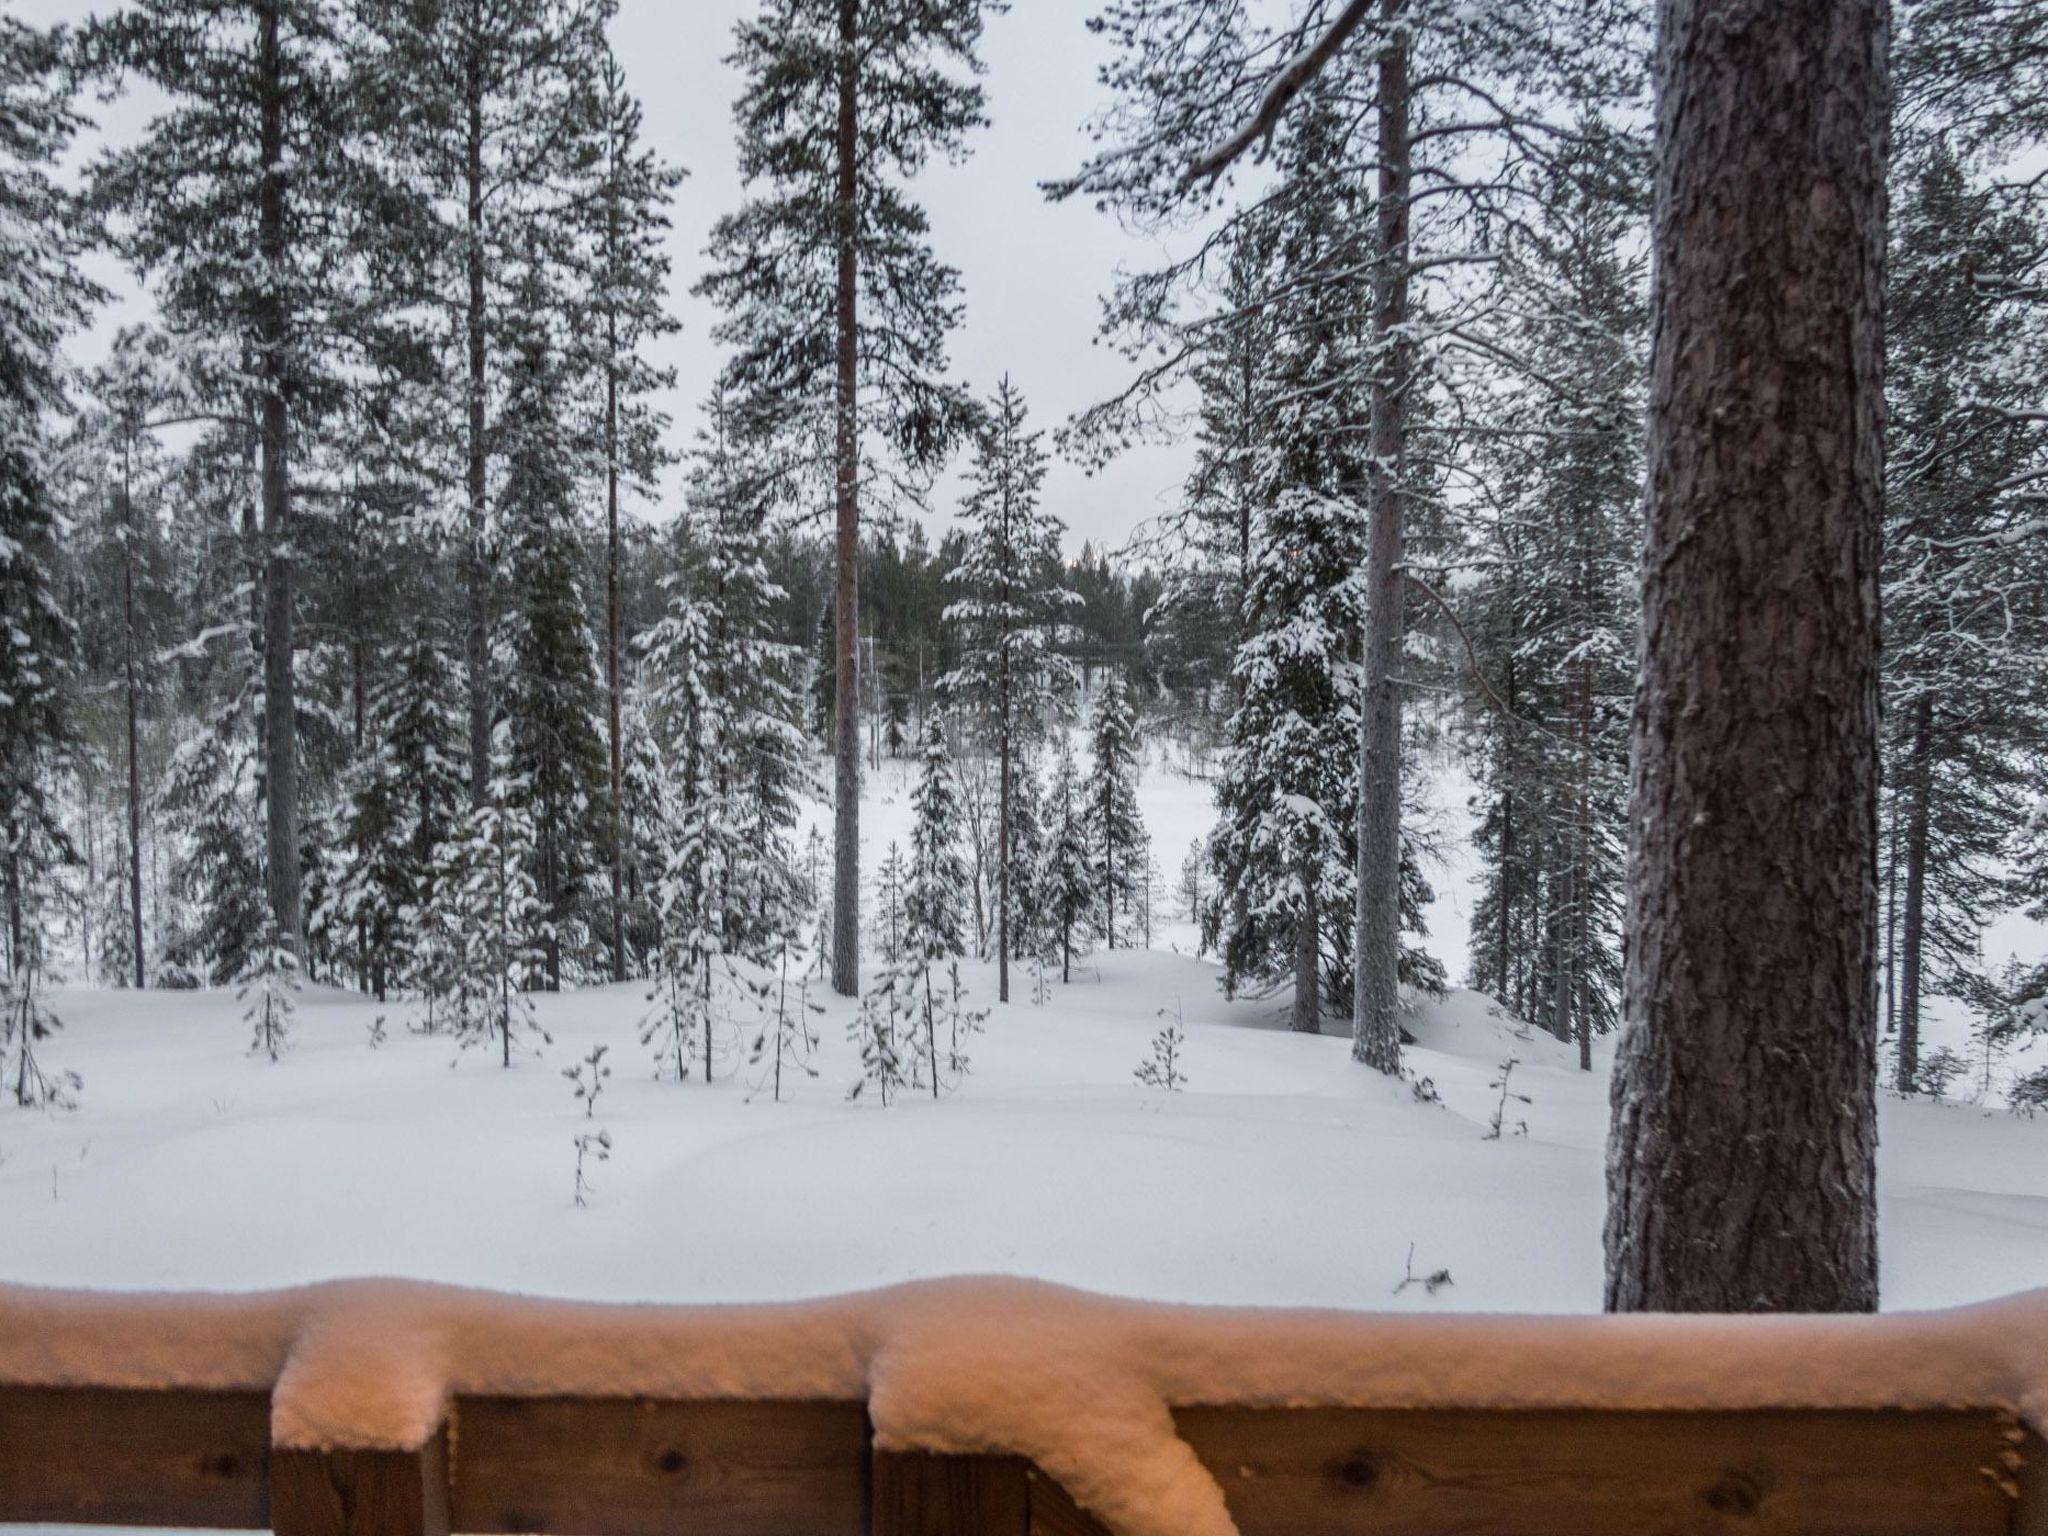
(920, 1495)
(616, 1467)
(360, 1493)
(1777, 1473)
(1054, 1512)
(103, 1456)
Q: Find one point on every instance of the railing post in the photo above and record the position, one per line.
(915, 1494)
(360, 1493)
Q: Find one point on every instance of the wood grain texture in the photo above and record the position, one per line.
(2030, 1510)
(1779, 1473)
(1054, 1512)
(919, 1495)
(629, 1468)
(119, 1457)
(360, 1493)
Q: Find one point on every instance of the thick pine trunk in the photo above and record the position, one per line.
(280, 707)
(1912, 956)
(476, 639)
(1741, 1172)
(1375, 998)
(846, 614)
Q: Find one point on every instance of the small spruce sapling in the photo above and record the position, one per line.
(592, 1144)
(1939, 1070)
(588, 1077)
(878, 1030)
(1500, 1109)
(268, 982)
(790, 1038)
(1163, 1069)
(24, 1021)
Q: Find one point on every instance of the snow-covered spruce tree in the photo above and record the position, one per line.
(1553, 613)
(630, 269)
(492, 114)
(1966, 581)
(486, 923)
(1283, 845)
(1027, 859)
(1068, 892)
(1009, 680)
(211, 796)
(754, 680)
(882, 1026)
(1437, 109)
(404, 798)
(1205, 543)
(42, 296)
(845, 102)
(549, 687)
(248, 208)
(700, 839)
(1117, 841)
(934, 896)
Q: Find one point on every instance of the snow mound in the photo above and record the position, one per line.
(1083, 1385)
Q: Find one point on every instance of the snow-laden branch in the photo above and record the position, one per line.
(1285, 85)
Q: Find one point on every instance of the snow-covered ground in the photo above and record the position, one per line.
(1282, 1175)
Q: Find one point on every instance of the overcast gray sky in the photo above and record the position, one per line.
(1033, 272)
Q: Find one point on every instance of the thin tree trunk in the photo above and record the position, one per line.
(611, 653)
(1376, 948)
(476, 638)
(1912, 957)
(1307, 1017)
(130, 533)
(846, 616)
(1741, 1167)
(280, 707)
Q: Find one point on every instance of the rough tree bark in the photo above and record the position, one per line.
(1375, 996)
(1742, 1162)
(846, 613)
(280, 705)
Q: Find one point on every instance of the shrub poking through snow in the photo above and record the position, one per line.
(1162, 1069)
(594, 1143)
(591, 1147)
(267, 984)
(1500, 1109)
(1431, 1283)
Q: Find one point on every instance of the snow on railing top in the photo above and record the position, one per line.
(1082, 1385)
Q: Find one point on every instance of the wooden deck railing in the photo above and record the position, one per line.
(591, 1465)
